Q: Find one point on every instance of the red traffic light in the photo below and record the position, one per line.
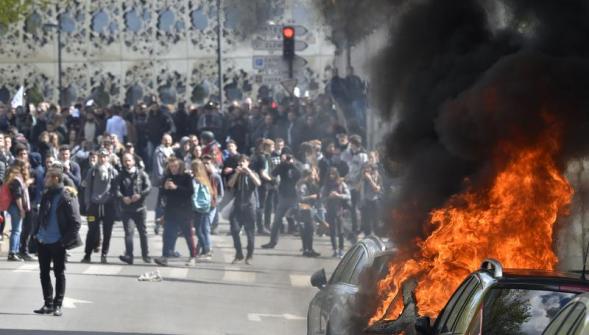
(288, 32)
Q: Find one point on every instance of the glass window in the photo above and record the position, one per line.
(521, 311)
(360, 266)
(558, 321)
(338, 273)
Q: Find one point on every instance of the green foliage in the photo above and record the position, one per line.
(12, 11)
(34, 95)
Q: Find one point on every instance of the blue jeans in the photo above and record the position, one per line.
(16, 226)
(171, 228)
(202, 225)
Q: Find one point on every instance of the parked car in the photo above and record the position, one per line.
(494, 301)
(330, 311)
(572, 319)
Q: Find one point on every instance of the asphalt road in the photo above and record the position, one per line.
(270, 296)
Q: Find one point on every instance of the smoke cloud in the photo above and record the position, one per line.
(460, 77)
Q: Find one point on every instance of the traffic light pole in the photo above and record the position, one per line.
(290, 68)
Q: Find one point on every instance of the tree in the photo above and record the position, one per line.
(12, 11)
(353, 20)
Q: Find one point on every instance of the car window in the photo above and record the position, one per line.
(455, 306)
(521, 311)
(360, 266)
(559, 321)
(351, 266)
(340, 272)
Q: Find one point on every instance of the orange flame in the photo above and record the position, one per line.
(511, 220)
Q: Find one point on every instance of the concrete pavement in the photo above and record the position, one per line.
(271, 296)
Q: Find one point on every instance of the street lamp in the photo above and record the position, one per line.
(57, 27)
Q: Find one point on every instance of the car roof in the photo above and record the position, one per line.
(554, 280)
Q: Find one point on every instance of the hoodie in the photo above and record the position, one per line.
(99, 182)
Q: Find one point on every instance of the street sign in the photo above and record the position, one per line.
(269, 64)
(289, 85)
(276, 45)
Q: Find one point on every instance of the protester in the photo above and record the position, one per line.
(308, 192)
(176, 190)
(244, 182)
(57, 231)
(335, 194)
(203, 199)
(133, 187)
(100, 201)
(17, 179)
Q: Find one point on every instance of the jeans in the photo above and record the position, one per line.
(370, 213)
(243, 217)
(355, 203)
(270, 204)
(130, 221)
(202, 225)
(99, 214)
(52, 253)
(262, 192)
(307, 216)
(334, 220)
(172, 226)
(16, 226)
(284, 206)
(28, 227)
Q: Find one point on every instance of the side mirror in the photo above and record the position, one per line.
(423, 326)
(319, 279)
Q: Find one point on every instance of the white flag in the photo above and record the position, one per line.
(19, 98)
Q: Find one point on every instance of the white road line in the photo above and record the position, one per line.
(257, 317)
(300, 281)
(28, 267)
(103, 270)
(235, 275)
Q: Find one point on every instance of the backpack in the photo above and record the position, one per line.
(201, 198)
(5, 197)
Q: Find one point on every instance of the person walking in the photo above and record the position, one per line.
(176, 191)
(58, 231)
(16, 179)
(100, 201)
(335, 194)
(158, 167)
(308, 192)
(243, 182)
(202, 204)
(133, 187)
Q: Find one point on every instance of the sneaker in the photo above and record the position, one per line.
(270, 245)
(27, 257)
(248, 260)
(237, 259)
(205, 257)
(176, 254)
(57, 311)
(46, 309)
(14, 258)
(103, 259)
(86, 259)
(335, 254)
(161, 261)
(147, 259)
(263, 232)
(340, 253)
(191, 262)
(313, 253)
(126, 259)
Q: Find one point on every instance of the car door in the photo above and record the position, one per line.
(569, 321)
(330, 310)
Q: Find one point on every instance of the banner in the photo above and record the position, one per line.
(19, 98)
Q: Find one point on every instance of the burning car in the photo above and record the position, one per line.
(331, 310)
(492, 301)
(572, 319)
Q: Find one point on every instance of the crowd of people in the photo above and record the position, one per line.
(254, 165)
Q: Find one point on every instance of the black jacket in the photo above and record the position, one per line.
(68, 216)
(128, 184)
(178, 202)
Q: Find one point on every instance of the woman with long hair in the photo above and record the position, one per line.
(16, 179)
(335, 194)
(202, 204)
(176, 191)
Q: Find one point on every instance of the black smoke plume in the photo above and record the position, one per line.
(459, 77)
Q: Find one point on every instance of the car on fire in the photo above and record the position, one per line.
(497, 301)
(572, 319)
(331, 310)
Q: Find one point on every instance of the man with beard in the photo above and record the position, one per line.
(98, 197)
(132, 188)
(58, 231)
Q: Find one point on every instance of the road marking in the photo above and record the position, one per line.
(235, 275)
(70, 303)
(300, 281)
(177, 273)
(257, 317)
(28, 268)
(103, 270)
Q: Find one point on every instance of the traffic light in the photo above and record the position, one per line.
(288, 42)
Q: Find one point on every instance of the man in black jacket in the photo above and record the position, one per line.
(132, 188)
(58, 231)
